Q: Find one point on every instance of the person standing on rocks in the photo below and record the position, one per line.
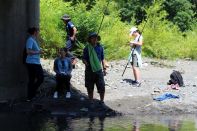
(71, 31)
(135, 55)
(93, 58)
(63, 69)
(35, 71)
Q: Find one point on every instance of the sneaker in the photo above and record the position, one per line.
(68, 95)
(136, 84)
(28, 100)
(55, 95)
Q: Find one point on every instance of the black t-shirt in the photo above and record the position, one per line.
(69, 29)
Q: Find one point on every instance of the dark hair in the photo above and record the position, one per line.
(32, 30)
(138, 31)
(64, 49)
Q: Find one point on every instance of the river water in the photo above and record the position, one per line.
(43, 122)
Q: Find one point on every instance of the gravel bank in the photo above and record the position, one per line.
(123, 97)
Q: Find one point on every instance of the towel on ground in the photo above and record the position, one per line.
(165, 97)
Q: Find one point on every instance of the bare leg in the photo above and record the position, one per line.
(90, 95)
(136, 73)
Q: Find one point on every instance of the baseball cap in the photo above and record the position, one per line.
(132, 30)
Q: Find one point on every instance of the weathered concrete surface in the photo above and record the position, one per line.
(76, 107)
(15, 17)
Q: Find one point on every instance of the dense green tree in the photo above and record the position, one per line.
(194, 3)
(89, 3)
(133, 9)
(180, 13)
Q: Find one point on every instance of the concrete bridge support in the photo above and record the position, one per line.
(16, 16)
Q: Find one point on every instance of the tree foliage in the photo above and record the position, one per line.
(180, 13)
(162, 35)
(52, 33)
(133, 9)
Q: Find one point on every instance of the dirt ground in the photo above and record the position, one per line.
(123, 97)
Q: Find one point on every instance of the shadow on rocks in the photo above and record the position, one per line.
(130, 81)
(76, 106)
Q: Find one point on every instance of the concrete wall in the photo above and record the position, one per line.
(15, 18)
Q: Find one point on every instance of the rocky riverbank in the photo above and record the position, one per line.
(123, 97)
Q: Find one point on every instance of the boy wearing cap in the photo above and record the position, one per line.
(93, 58)
(136, 59)
(71, 32)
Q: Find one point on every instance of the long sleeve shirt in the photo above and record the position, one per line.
(63, 66)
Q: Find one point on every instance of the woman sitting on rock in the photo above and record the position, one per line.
(62, 68)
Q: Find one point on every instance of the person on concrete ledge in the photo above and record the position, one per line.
(63, 69)
(35, 71)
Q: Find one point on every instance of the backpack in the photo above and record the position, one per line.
(176, 78)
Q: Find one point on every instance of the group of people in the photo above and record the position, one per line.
(93, 59)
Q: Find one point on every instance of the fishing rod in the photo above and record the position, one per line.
(103, 18)
(130, 56)
(78, 43)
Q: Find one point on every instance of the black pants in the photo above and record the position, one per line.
(36, 78)
(63, 82)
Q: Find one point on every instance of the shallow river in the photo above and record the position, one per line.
(43, 122)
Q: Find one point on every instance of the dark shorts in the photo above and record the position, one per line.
(92, 78)
(70, 44)
(134, 61)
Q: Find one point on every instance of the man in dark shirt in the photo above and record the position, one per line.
(70, 38)
(71, 31)
(93, 57)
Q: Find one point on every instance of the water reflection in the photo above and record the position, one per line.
(136, 126)
(21, 122)
(174, 125)
(42, 122)
(91, 124)
(62, 123)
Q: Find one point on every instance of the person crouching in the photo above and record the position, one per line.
(63, 69)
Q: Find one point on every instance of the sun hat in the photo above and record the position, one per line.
(93, 34)
(66, 17)
(132, 30)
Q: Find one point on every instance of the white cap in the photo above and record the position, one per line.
(132, 30)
